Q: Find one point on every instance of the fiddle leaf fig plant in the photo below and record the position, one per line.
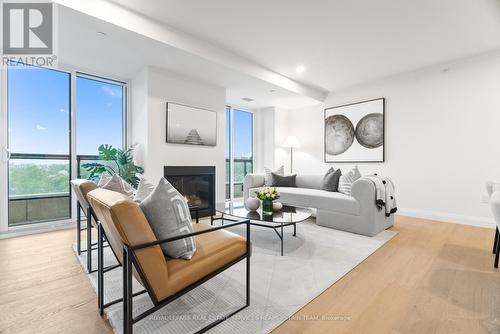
(116, 161)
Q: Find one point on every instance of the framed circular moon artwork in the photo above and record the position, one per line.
(355, 132)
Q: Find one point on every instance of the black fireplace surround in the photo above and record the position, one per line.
(196, 184)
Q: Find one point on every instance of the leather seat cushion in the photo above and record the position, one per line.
(213, 251)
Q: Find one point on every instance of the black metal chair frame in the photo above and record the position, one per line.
(130, 261)
(89, 214)
(496, 247)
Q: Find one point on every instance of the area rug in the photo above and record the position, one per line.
(280, 285)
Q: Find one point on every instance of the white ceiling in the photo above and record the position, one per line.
(340, 42)
(252, 47)
(121, 54)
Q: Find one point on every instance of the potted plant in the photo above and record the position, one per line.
(267, 196)
(117, 161)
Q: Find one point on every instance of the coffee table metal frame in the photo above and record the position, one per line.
(260, 223)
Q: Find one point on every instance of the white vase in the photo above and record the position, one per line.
(277, 206)
(252, 204)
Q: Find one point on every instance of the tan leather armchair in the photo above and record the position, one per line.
(81, 188)
(164, 279)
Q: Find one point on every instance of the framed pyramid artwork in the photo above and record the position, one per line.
(191, 125)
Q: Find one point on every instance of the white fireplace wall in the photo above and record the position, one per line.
(148, 119)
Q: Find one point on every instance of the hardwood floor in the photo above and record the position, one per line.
(431, 278)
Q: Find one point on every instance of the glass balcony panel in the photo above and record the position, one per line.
(38, 190)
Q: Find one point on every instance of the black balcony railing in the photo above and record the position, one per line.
(241, 166)
(39, 188)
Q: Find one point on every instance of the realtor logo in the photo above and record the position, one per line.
(27, 28)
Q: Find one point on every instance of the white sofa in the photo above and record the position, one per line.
(357, 213)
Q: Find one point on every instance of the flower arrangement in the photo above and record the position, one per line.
(267, 193)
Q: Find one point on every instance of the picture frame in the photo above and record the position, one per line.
(355, 132)
(188, 125)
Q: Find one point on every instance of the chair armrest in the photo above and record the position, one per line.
(183, 236)
(252, 181)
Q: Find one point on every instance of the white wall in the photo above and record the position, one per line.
(149, 123)
(263, 138)
(271, 129)
(441, 137)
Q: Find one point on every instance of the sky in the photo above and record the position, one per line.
(39, 104)
(243, 134)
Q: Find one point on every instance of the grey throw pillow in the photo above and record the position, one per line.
(346, 181)
(331, 180)
(268, 178)
(283, 181)
(143, 190)
(168, 215)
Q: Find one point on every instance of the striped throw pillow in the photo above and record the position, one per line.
(346, 180)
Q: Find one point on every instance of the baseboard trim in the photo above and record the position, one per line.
(448, 217)
(37, 229)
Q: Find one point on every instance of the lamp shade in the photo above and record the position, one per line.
(291, 141)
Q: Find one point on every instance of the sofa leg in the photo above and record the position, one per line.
(496, 241)
(89, 240)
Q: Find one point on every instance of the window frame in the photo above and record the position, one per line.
(4, 145)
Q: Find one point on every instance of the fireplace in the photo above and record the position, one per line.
(196, 184)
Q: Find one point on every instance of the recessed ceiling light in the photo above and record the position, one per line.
(300, 69)
(102, 34)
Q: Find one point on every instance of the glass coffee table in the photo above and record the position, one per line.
(287, 216)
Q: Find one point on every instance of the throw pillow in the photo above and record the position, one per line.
(105, 177)
(331, 180)
(143, 190)
(168, 215)
(268, 178)
(116, 183)
(283, 181)
(346, 181)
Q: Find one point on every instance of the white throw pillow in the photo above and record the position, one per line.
(268, 178)
(116, 183)
(168, 215)
(143, 190)
(346, 180)
(105, 177)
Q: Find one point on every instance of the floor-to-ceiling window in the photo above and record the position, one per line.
(40, 137)
(100, 117)
(239, 150)
(39, 144)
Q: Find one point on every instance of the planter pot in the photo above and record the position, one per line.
(267, 207)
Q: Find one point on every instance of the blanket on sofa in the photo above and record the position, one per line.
(385, 197)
